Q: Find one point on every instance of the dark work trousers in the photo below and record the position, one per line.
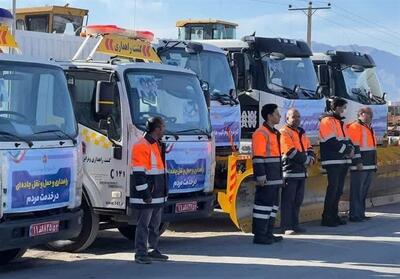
(291, 200)
(147, 229)
(336, 177)
(266, 205)
(360, 181)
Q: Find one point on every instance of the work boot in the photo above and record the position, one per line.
(299, 229)
(156, 255)
(329, 223)
(355, 219)
(340, 221)
(143, 259)
(270, 230)
(264, 240)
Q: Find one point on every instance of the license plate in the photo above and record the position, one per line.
(186, 207)
(44, 228)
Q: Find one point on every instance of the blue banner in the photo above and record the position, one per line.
(379, 121)
(225, 122)
(187, 166)
(39, 179)
(40, 190)
(310, 111)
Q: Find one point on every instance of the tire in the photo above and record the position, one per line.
(11, 255)
(90, 228)
(128, 231)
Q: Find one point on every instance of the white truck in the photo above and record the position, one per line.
(352, 76)
(112, 101)
(274, 70)
(40, 155)
(210, 64)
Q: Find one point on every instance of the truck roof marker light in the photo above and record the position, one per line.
(115, 30)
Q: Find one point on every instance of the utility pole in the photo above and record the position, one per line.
(309, 11)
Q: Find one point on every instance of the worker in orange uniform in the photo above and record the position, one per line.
(267, 168)
(336, 154)
(297, 155)
(364, 162)
(148, 190)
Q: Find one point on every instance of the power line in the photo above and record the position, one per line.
(368, 21)
(310, 12)
(269, 2)
(358, 31)
(382, 32)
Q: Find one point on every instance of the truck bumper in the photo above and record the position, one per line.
(15, 234)
(205, 206)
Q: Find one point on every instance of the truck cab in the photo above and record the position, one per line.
(113, 100)
(40, 154)
(352, 76)
(274, 70)
(51, 19)
(206, 29)
(211, 66)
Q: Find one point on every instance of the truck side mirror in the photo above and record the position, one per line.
(239, 70)
(105, 92)
(323, 75)
(323, 91)
(205, 86)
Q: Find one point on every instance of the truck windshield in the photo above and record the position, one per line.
(211, 67)
(176, 97)
(291, 77)
(34, 102)
(362, 85)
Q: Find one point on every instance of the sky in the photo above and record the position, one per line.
(374, 23)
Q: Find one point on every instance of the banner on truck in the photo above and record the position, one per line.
(310, 111)
(225, 122)
(380, 121)
(38, 179)
(188, 166)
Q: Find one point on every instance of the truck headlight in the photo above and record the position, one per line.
(79, 176)
(209, 186)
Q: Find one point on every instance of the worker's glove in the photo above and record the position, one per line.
(359, 166)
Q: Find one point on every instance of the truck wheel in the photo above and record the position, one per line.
(90, 228)
(128, 231)
(11, 255)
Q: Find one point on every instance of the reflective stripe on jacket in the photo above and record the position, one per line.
(147, 173)
(335, 146)
(363, 138)
(267, 163)
(296, 152)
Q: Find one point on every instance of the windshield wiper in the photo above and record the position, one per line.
(195, 130)
(288, 90)
(28, 142)
(57, 131)
(308, 92)
(224, 99)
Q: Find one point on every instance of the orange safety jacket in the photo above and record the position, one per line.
(267, 163)
(297, 152)
(363, 138)
(335, 146)
(147, 173)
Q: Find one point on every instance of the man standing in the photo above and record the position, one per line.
(148, 190)
(267, 168)
(336, 153)
(364, 163)
(297, 155)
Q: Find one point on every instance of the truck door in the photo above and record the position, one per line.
(105, 162)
